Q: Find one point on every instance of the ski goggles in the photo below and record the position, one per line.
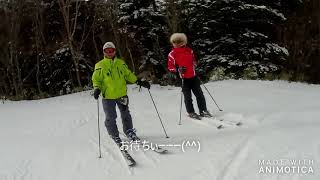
(109, 50)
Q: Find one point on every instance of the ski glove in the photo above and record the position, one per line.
(96, 93)
(144, 84)
(124, 100)
(172, 76)
(182, 69)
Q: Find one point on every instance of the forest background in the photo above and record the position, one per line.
(49, 48)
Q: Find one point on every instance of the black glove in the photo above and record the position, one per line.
(144, 84)
(96, 93)
(172, 76)
(182, 69)
(124, 100)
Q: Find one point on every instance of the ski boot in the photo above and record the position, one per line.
(131, 134)
(117, 140)
(194, 115)
(205, 113)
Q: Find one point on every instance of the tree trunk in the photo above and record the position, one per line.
(173, 16)
(70, 27)
(39, 38)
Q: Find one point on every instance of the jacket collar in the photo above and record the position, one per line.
(114, 58)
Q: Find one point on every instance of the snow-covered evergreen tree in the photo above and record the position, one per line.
(235, 34)
(145, 26)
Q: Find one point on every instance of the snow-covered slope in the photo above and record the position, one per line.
(57, 138)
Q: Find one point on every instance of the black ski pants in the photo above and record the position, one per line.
(193, 84)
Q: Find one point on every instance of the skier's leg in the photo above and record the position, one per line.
(127, 119)
(125, 114)
(109, 107)
(197, 91)
(187, 96)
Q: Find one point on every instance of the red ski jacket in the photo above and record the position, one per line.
(182, 56)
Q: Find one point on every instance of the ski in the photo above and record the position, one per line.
(127, 157)
(125, 154)
(217, 124)
(154, 147)
(221, 121)
(227, 122)
(220, 126)
(237, 123)
(199, 120)
(148, 145)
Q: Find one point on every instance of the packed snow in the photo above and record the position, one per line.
(57, 138)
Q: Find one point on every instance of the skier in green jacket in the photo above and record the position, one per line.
(109, 79)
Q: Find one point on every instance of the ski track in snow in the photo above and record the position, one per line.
(139, 154)
(20, 172)
(231, 169)
(110, 153)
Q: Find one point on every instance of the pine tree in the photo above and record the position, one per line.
(234, 34)
(143, 24)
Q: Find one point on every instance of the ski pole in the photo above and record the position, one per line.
(99, 129)
(154, 104)
(210, 95)
(181, 100)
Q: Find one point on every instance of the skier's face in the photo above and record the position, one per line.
(109, 52)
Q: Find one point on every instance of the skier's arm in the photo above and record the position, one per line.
(194, 60)
(171, 63)
(128, 75)
(97, 78)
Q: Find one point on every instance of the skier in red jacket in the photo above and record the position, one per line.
(182, 59)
